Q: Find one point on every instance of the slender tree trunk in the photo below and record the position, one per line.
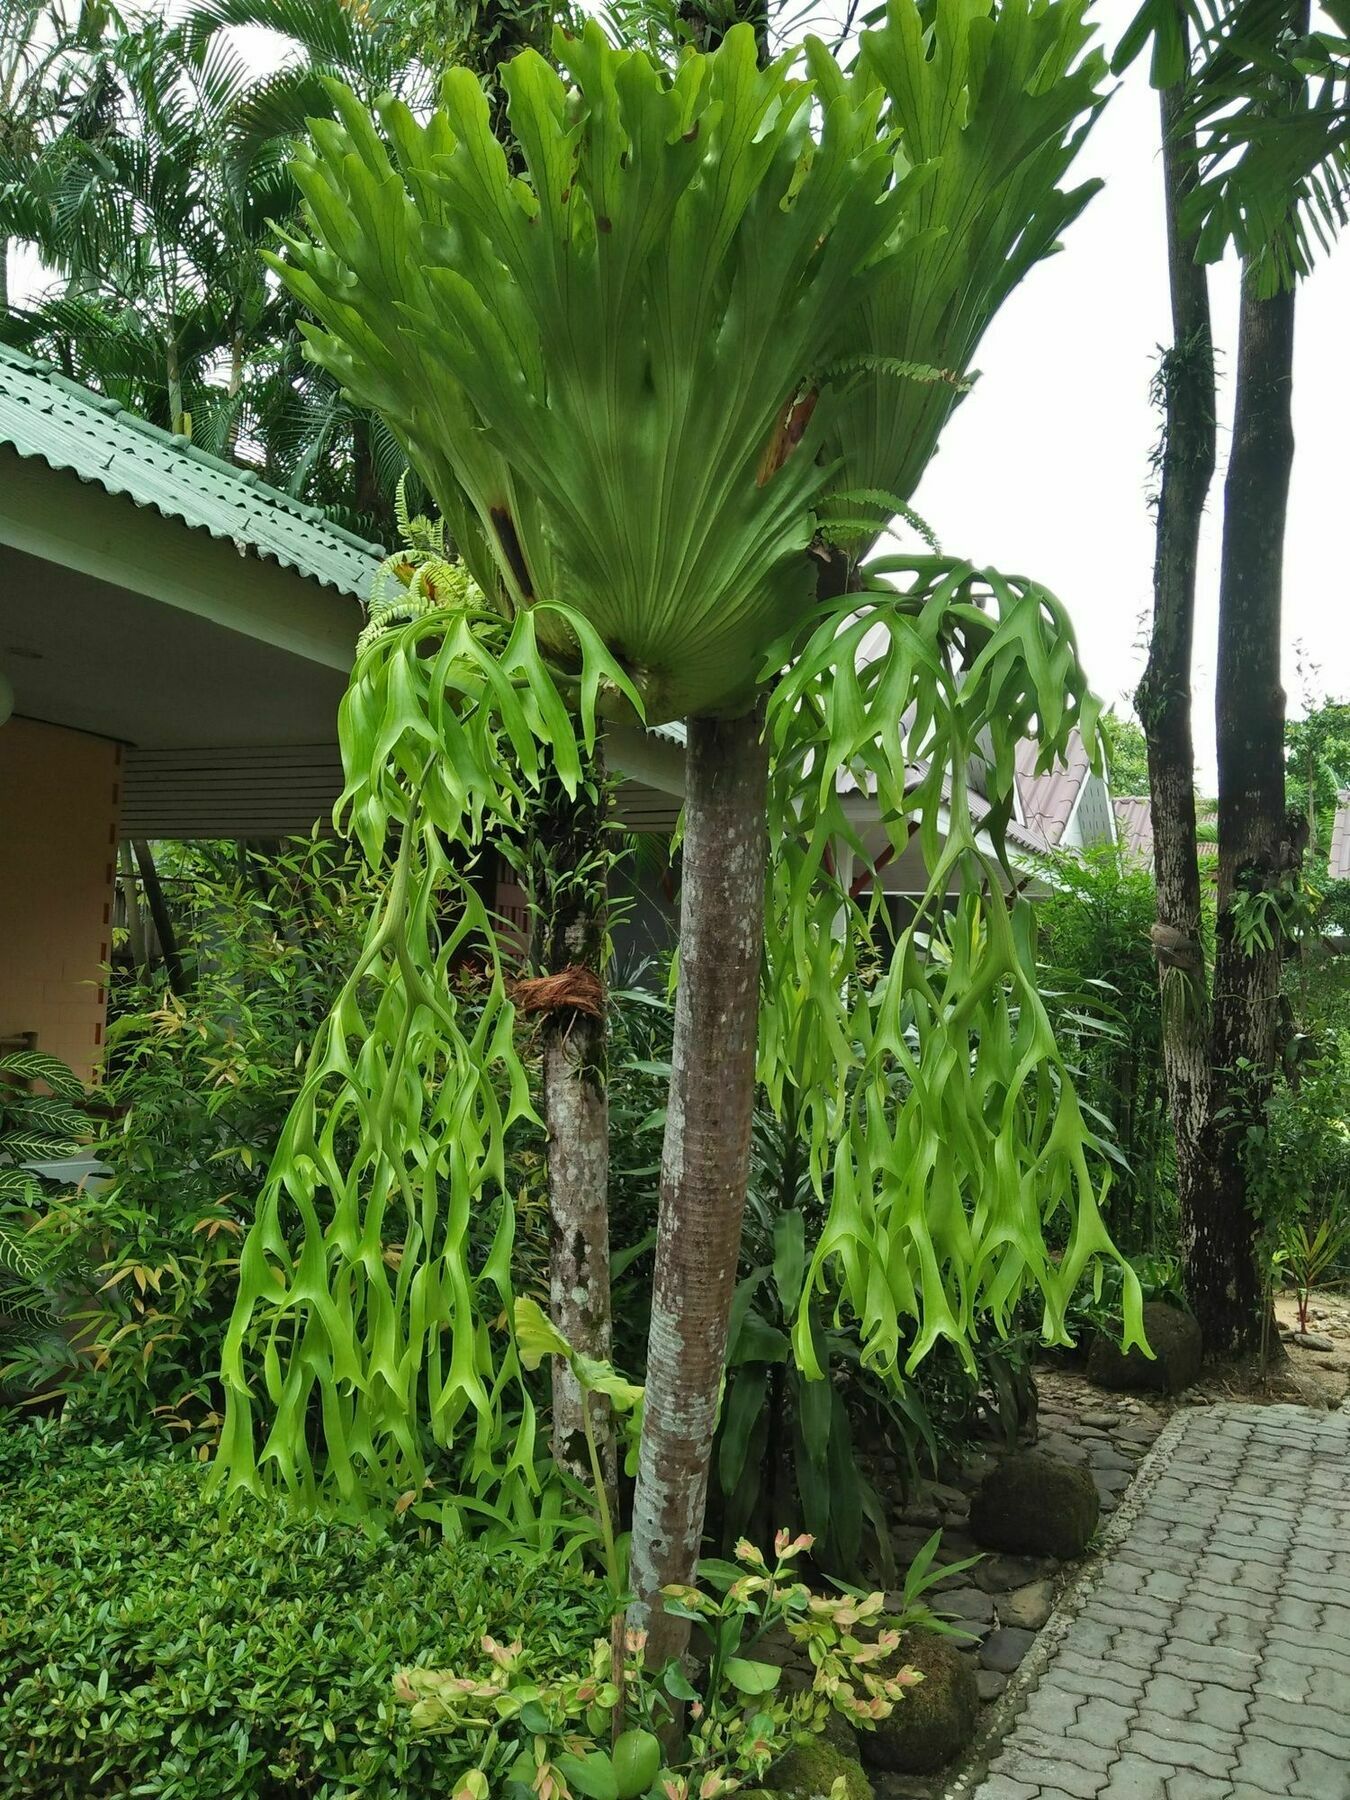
(4, 275)
(161, 918)
(569, 868)
(1164, 697)
(706, 1157)
(179, 424)
(1255, 851)
(140, 950)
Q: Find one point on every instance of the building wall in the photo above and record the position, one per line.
(59, 794)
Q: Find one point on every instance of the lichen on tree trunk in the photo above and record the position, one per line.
(568, 867)
(706, 1157)
(1186, 386)
(1256, 855)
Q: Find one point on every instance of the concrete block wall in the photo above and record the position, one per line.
(59, 796)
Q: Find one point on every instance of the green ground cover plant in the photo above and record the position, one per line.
(154, 1643)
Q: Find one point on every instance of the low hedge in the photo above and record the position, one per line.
(153, 1644)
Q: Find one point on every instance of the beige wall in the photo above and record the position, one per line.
(59, 795)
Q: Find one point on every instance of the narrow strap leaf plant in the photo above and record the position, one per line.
(667, 386)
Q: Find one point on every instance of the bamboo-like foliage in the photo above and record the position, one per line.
(721, 305)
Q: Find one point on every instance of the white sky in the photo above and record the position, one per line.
(1044, 469)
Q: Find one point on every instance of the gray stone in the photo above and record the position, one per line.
(989, 1684)
(1058, 1444)
(1137, 1434)
(950, 1499)
(996, 1574)
(1027, 1607)
(1106, 1421)
(1004, 1649)
(1312, 1340)
(1109, 1456)
(919, 1512)
(968, 1603)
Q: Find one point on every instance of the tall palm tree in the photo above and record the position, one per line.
(49, 92)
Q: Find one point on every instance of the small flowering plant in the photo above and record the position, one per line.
(597, 1736)
(745, 1718)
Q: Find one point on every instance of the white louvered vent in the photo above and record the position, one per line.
(274, 791)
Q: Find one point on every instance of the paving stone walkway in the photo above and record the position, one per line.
(1210, 1659)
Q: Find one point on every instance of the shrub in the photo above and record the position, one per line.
(199, 1087)
(151, 1643)
(1101, 986)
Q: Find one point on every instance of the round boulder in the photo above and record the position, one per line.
(1174, 1338)
(935, 1720)
(1031, 1504)
(810, 1770)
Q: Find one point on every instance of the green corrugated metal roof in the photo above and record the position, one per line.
(45, 416)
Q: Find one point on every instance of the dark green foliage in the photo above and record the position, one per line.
(1298, 1156)
(154, 1644)
(1126, 752)
(200, 1088)
(41, 1120)
(1031, 1504)
(938, 1717)
(786, 1450)
(1317, 771)
(1102, 988)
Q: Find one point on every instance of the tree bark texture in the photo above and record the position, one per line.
(706, 1157)
(161, 918)
(569, 863)
(1256, 855)
(1164, 697)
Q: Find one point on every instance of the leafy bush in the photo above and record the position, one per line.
(1299, 1162)
(1102, 992)
(37, 1124)
(199, 1088)
(153, 1644)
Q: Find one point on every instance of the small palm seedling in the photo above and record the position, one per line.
(1309, 1256)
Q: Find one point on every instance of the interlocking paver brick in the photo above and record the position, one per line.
(1264, 1766)
(1138, 1778)
(1210, 1660)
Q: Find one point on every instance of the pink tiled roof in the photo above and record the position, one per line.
(1047, 799)
(1134, 827)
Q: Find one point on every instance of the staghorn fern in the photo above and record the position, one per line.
(604, 364)
(419, 579)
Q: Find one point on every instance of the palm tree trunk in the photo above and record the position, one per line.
(1164, 697)
(1255, 853)
(706, 1157)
